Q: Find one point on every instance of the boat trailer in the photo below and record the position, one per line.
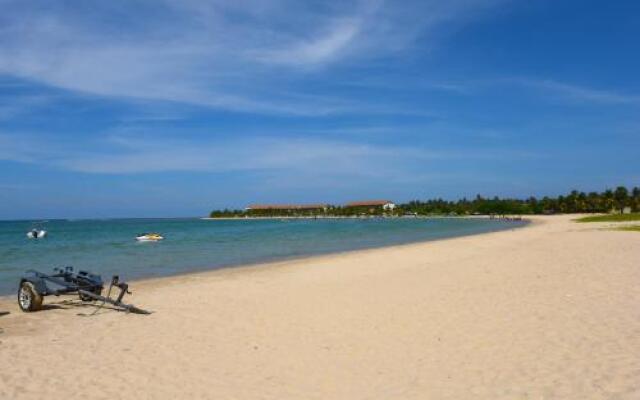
(34, 286)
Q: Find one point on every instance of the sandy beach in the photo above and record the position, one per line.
(549, 311)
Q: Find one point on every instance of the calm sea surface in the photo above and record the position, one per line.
(109, 246)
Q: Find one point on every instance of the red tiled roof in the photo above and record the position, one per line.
(369, 203)
(285, 206)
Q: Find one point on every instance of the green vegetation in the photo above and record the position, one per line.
(634, 228)
(609, 201)
(333, 211)
(610, 218)
(226, 213)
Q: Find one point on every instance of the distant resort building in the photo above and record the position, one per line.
(376, 207)
(384, 204)
(286, 207)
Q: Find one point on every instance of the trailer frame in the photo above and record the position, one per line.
(35, 285)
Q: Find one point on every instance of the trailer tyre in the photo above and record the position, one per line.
(28, 297)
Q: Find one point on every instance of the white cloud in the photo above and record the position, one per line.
(581, 93)
(568, 91)
(14, 148)
(318, 50)
(19, 104)
(246, 56)
(120, 154)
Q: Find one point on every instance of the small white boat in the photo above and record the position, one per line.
(149, 237)
(36, 234)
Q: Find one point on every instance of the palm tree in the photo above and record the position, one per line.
(607, 200)
(636, 198)
(621, 195)
(582, 202)
(594, 202)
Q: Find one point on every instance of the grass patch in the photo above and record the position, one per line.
(634, 228)
(610, 218)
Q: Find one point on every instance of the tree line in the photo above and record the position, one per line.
(610, 200)
(574, 202)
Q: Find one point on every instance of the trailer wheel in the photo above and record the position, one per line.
(28, 297)
(84, 297)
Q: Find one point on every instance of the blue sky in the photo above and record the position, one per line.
(172, 108)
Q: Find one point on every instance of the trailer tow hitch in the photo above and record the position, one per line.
(124, 289)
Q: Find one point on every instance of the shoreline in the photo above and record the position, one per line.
(507, 217)
(522, 224)
(325, 257)
(547, 311)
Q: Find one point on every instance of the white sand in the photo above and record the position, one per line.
(551, 311)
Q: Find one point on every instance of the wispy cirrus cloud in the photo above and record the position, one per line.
(558, 89)
(319, 50)
(247, 56)
(17, 105)
(577, 93)
(126, 154)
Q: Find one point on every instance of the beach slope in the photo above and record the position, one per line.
(550, 311)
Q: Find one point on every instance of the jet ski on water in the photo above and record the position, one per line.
(149, 237)
(36, 234)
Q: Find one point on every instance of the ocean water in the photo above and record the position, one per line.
(109, 247)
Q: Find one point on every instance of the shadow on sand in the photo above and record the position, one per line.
(93, 308)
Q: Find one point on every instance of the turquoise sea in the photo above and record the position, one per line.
(109, 246)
